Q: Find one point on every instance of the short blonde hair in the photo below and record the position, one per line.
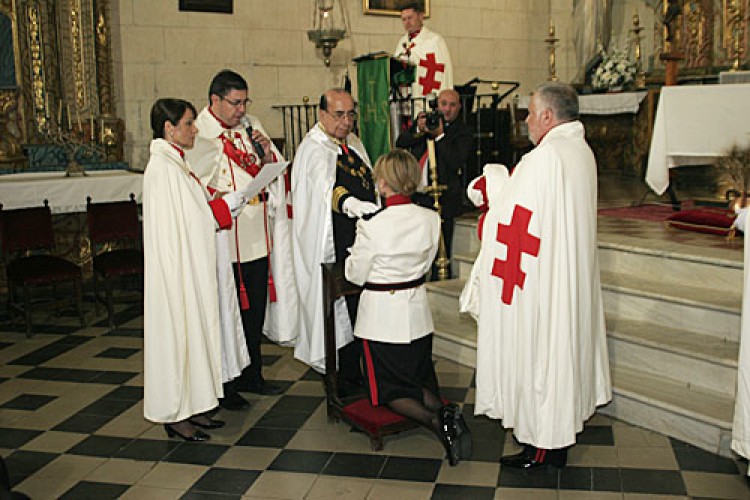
(400, 170)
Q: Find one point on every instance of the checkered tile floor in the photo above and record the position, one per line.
(71, 426)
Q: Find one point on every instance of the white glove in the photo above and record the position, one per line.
(236, 201)
(741, 221)
(354, 207)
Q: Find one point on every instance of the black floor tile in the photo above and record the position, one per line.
(84, 424)
(60, 374)
(596, 435)
(99, 446)
(268, 438)
(282, 420)
(21, 464)
(15, 438)
(147, 449)
(123, 332)
(312, 375)
(544, 477)
(228, 481)
(454, 394)
(653, 482)
(269, 359)
(411, 469)
(606, 479)
(112, 377)
(301, 461)
(204, 495)
(3, 379)
(576, 478)
(354, 464)
(3, 345)
(107, 407)
(197, 453)
(694, 459)
(297, 404)
(29, 402)
(99, 491)
(126, 392)
(42, 355)
(456, 492)
(117, 353)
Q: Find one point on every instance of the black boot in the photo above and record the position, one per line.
(448, 432)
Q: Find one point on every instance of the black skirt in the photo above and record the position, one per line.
(395, 371)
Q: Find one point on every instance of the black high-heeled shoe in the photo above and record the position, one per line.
(212, 423)
(198, 437)
(448, 432)
(464, 436)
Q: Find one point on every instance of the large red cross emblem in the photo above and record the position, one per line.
(517, 239)
(428, 81)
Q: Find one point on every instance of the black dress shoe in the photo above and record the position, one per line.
(265, 389)
(448, 432)
(234, 402)
(212, 423)
(464, 437)
(199, 436)
(533, 458)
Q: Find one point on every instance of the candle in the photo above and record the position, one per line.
(70, 123)
(59, 113)
(78, 120)
(101, 137)
(46, 108)
(92, 128)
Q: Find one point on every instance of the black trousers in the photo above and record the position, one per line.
(255, 278)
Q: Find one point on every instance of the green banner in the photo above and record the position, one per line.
(373, 76)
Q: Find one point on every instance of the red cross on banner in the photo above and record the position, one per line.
(428, 81)
(518, 241)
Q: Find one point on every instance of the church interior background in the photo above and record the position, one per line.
(77, 80)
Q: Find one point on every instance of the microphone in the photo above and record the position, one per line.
(245, 122)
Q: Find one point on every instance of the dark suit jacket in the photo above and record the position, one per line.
(452, 153)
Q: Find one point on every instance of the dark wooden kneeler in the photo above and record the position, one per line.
(375, 421)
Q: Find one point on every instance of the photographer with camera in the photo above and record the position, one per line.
(453, 144)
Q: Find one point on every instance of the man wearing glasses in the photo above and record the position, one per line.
(332, 186)
(226, 158)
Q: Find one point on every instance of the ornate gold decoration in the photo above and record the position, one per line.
(640, 75)
(735, 31)
(698, 29)
(77, 46)
(40, 105)
(103, 60)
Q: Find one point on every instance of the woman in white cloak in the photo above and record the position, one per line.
(193, 338)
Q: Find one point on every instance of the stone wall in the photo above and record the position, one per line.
(161, 52)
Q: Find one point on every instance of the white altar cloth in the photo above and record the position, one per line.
(68, 194)
(694, 125)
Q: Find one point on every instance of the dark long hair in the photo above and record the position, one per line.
(168, 109)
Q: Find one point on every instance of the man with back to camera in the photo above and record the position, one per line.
(542, 363)
(227, 158)
(332, 186)
(453, 144)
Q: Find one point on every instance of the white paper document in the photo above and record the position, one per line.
(267, 173)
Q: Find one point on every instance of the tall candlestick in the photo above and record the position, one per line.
(70, 119)
(101, 136)
(78, 120)
(59, 114)
(92, 127)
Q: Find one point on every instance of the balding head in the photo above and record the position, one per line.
(336, 113)
(449, 103)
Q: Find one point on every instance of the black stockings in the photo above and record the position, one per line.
(423, 412)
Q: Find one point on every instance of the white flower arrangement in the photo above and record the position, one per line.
(615, 70)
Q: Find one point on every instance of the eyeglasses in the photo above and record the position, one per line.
(339, 115)
(238, 102)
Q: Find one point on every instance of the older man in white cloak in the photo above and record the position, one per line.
(542, 364)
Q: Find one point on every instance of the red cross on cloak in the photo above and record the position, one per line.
(518, 241)
(428, 81)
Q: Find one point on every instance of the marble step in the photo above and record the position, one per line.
(698, 309)
(444, 298)
(462, 264)
(465, 239)
(673, 264)
(699, 417)
(455, 338)
(691, 358)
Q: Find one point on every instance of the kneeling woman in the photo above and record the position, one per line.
(392, 252)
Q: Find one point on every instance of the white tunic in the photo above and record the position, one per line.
(396, 245)
(214, 168)
(429, 53)
(313, 178)
(542, 363)
(186, 357)
(741, 425)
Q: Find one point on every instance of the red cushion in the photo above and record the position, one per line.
(704, 220)
(41, 269)
(371, 418)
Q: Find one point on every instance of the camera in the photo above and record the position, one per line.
(434, 117)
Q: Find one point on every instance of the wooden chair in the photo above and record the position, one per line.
(520, 143)
(375, 421)
(28, 241)
(115, 233)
